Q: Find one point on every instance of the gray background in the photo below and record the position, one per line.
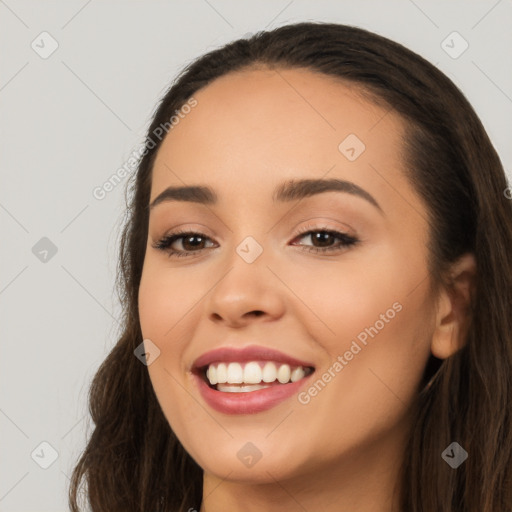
(69, 121)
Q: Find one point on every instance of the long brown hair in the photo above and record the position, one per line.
(133, 461)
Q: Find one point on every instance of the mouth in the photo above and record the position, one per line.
(250, 379)
(250, 376)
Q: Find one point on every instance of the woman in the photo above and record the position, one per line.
(316, 265)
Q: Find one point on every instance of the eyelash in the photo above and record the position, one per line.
(346, 241)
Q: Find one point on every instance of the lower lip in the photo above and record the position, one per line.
(250, 402)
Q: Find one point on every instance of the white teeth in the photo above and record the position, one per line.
(235, 373)
(283, 374)
(269, 372)
(222, 373)
(253, 373)
(297, 374)
(240, 389)
(211, 374)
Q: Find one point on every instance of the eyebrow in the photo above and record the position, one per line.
(285, 192)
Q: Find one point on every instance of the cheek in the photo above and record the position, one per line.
(375, 314)
(165, 312)
(165, 298)
(381, 365)
(163, 307)
(342, 298)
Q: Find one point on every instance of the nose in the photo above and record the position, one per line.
(248, 292)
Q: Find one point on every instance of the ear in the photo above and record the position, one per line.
(453, 315)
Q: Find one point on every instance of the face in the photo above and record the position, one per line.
(332, 276)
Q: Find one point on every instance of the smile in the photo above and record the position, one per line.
(248, 380)
(237, 377)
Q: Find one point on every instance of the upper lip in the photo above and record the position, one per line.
(245, 354)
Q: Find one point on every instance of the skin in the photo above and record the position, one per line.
(249, 132)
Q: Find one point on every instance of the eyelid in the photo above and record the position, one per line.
(349, 237)
(320, 224)
(186, 227)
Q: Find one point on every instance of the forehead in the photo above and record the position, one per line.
(261, 123)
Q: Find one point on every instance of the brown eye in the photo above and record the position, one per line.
(322, 238)
(190, 243)
(325, 240)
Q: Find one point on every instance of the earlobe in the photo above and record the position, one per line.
(453, 313)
